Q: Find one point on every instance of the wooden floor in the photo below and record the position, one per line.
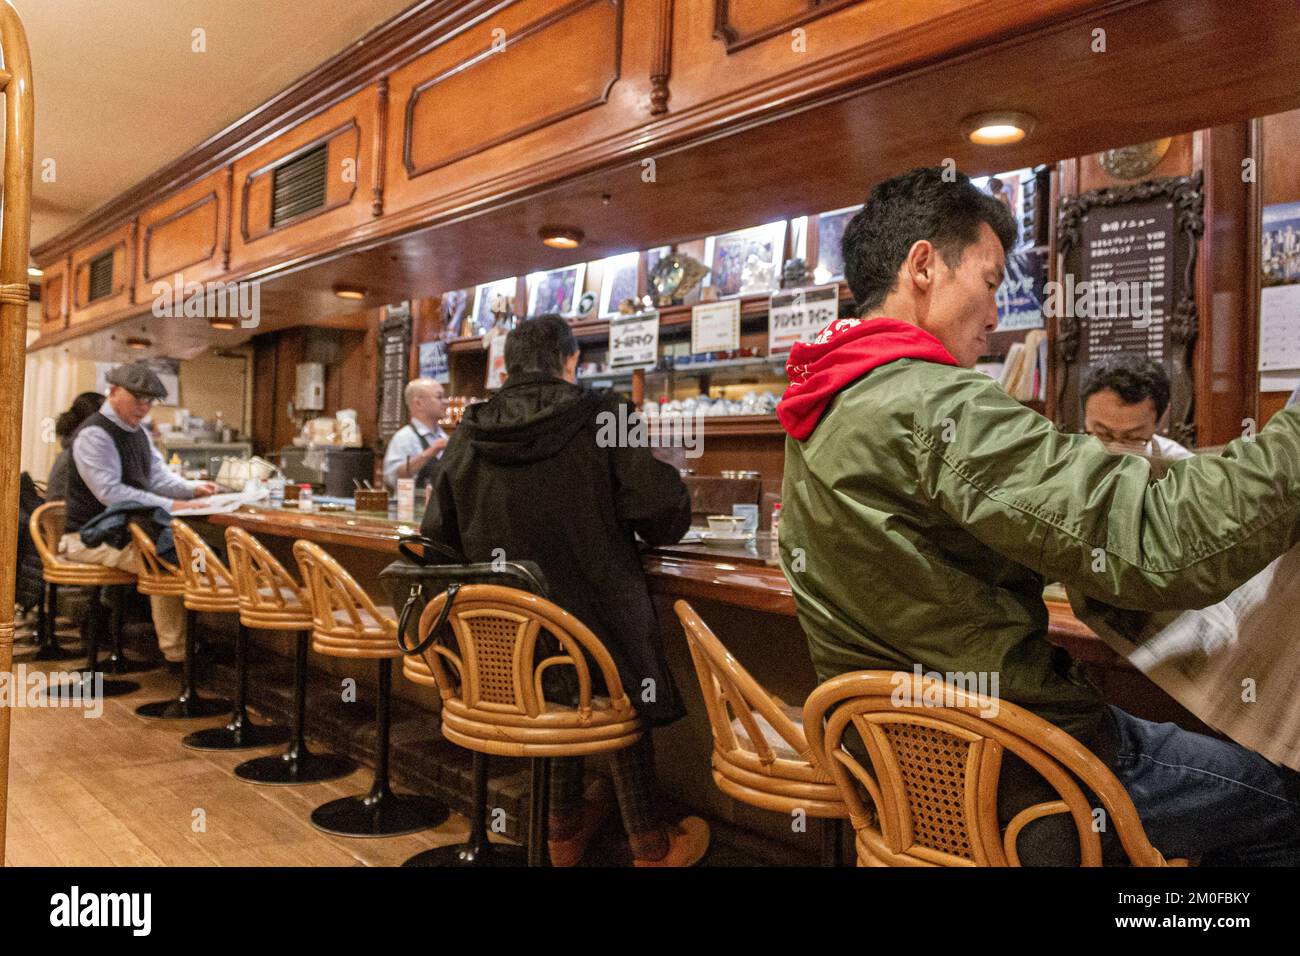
(122, 791)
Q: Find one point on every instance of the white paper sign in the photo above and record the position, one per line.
(715, 326)
(797, 315)
(1279, 328)
(633, 339)
(496, 360)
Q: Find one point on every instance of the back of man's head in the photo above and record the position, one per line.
(540, 346)
(903, 210)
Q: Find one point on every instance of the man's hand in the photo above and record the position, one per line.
(204, 488)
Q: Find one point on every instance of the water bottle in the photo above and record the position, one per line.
(275, 487)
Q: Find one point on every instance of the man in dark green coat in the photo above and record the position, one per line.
(923, 508)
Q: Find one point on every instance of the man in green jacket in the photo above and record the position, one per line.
(923, 508)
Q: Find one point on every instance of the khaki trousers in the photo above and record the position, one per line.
(168, 612)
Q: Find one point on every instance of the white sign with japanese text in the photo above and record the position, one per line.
(634, 339)
(797, 315)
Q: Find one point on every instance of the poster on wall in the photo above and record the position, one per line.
(433, 362)
(1020, 297)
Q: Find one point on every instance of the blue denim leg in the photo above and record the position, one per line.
(1200, 796)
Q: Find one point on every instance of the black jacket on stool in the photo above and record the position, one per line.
(523, 473)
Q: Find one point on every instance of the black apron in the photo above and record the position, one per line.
(424, 476)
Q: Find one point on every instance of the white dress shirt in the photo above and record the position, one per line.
(100, 466)
(1168, 448)
(406, 444)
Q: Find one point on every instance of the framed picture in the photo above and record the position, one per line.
(830, 240)
(618, 282)
(556, 291)
(746, 262)
(483, 296)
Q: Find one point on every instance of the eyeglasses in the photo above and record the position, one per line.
(143, 399)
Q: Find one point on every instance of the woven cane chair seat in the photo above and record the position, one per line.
(345, 621)
(934, 773)
(46, 526)
(491, 681)
(760, 754)
(269, 598)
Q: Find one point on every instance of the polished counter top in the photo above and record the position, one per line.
(736, 576)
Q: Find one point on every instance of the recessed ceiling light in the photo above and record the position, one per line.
(224, 325)
(138, 343)
(349, 292)
(560, 237)
(34, 272)
(997, 128)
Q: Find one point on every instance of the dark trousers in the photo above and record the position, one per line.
(633, 770)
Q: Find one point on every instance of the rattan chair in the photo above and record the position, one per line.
(935, 771)
(271, 600)
(760, 755)
(46, 526)
(492, 701)
(239, 733)
(347, 624)
(206, 585)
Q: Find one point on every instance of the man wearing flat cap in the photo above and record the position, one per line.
(118, 464)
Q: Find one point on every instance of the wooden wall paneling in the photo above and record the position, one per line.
(356, 376)
(185, 233)
(265, 387)
(119, 242)
(661, 66)
(54, 297)
(740, 24)
(347, 129)
(290, 347)
(1225, 362)
(426, 326)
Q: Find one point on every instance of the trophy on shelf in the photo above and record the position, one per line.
(674, 277)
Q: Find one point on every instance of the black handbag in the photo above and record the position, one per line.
(430, 568)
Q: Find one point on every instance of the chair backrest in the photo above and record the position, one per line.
(730, 692)
(204, 572)
(261, 580)
(46, 526)
(498, 634)
(339, 607)
(935, 751)
(151, 566)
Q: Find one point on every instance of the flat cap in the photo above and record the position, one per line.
(138, 378)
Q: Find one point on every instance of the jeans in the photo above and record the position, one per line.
(1201, 796)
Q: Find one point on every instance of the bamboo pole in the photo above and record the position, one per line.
(15, 225)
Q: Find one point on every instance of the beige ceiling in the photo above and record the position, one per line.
(120, 91)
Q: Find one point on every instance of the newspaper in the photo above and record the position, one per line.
(220, 503)
(1235, 664)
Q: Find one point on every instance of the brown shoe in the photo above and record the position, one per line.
(688, 842)
(597, 805)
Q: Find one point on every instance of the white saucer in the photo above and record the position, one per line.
(726, 539)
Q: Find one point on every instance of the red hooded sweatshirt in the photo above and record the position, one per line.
(842, 353)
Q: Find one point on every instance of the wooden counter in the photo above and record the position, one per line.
(737, 577)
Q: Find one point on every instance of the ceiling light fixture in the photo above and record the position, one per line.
(134, 343)
(222, 324)
(997, 128)
(34, 272)
(560, 237)
(349, 292)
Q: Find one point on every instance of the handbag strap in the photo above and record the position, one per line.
(410, 542)
(405, 616)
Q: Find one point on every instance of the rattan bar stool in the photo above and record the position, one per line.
(760, 754)
(270, 599)
(205, 585)
(346, 623)
(46, 526)
(240, 733)
(935, 773)
(492, 700)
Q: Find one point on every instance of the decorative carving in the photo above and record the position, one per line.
(381, 138)
(490, 55)
(1186, 195)
(1134, 162)
(662, 65)
(230, 227)
(783, 21)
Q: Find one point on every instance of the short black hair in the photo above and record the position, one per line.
(929, 202)
(1134, 378)
(540, 345)
(83, 406)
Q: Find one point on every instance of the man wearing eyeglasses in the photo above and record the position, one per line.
(1124, 398)
(117, 463)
